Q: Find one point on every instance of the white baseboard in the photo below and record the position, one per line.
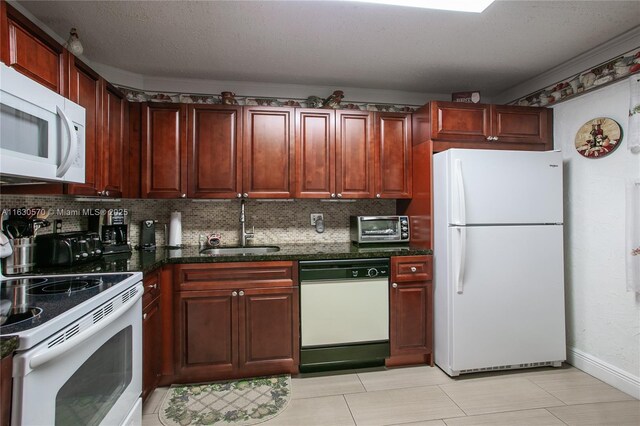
(604, 371)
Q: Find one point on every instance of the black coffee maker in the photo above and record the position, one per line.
(148, 234)
(112, 225)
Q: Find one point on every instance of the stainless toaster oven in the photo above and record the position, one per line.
(380, 229)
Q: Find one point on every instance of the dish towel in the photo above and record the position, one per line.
(634, 115)
(633, 236)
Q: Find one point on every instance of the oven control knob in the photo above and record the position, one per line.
(405, 235)
(84, 255)
(372, 272)
(98, 251)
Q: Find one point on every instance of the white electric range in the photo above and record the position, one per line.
(79, 357)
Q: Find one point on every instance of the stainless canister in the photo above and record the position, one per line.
(21, 260)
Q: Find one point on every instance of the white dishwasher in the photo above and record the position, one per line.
(344, 313)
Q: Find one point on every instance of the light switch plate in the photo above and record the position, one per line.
(315, 217)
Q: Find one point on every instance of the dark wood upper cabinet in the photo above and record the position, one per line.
(354, 154)
(315, 153)
(31, 51)
(460, 125)
(164, 151)
(268, 152)
(393, 167)
(214, 151)
(115, 128)
(516, 124)
(85, 89)
(458, 121)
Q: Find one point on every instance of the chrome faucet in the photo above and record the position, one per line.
(244, 235)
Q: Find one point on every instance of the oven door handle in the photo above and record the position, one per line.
(41, 358)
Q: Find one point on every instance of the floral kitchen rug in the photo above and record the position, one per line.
(236, 402)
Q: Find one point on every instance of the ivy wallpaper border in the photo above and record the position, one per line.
(615, 69)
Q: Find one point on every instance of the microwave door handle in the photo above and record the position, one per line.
(48, 354)
(72, 150)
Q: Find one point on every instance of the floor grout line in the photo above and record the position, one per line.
(349, 408)
(544, 390)
(563, 422)
(452, 400)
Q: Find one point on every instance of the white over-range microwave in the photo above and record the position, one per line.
(42, 134)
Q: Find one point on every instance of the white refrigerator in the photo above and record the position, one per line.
(498, 252)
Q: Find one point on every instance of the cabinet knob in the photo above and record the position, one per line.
(234, 293)
(489, 138)
(144, 316)
(495, 138)
(106, 193)
(378, 195)
(394, 285)
(245, 195)
(239, 195)
(153, 286)
(413, 269)
(333, 195)
(241, 293)
(339, 195)
(183, 196)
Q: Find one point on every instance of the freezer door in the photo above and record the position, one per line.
(504, 187)
(508, 307)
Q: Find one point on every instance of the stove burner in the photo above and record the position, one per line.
(23, 281)
(19, 315)
(66, 286)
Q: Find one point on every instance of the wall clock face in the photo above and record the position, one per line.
(598, 138)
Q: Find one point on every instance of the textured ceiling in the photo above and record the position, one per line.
(338, 43)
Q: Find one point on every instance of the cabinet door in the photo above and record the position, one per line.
(354, 154)
(268, 152)
(393, 155)
(151, 347)
(517, 124)
(268, 326)
(411, 319)
(455, 121)
(115, 125)
(315, 153)
(31, 51)
(164, 151)
(85, 89)
(214, 152)
(207, 335)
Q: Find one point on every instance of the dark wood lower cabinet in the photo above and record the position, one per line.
(411, 311)
(268, 319)
(6, 368)
(228, 325)
(151, 334)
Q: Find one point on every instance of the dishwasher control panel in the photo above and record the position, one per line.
(340, 269)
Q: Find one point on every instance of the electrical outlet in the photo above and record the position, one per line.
(315, 217)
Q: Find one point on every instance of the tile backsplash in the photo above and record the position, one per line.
(276, 222)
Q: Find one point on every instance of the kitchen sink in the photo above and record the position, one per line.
(240, 250)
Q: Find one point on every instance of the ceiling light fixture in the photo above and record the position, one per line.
(73, 43)
(475, 6)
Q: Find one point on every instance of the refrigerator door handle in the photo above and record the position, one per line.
(462, 254)
(461, 208)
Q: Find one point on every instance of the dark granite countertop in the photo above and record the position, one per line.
(8, 345)
(146, 261)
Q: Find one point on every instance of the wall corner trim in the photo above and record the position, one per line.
(614, 376)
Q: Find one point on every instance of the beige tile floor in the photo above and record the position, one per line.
(425, 396)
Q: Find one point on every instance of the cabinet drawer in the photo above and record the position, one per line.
(151, 283)
(411, 268)
(235, 275)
